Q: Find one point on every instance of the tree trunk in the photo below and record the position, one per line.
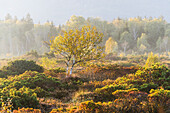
(67, 69)
(72, 65)
(135, 34)
(125, 51)
(71, 70)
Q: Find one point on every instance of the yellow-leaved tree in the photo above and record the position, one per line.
(152, 59)
(111, 46)
(78, 45)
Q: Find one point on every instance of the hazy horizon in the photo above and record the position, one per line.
(59, 11)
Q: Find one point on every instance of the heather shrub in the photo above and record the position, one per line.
(23, 97)
(48, 63)
(102, 72)
(161, 94)
(130, 105)
(27, 110)
(146, 87)
(57, 70)
(105, 93)
(73, 82)
(33, 53)
(49, 54)
(39, 82)
(20, 66)
(161, 98)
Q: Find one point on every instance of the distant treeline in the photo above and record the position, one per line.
(19, 36)
(130, 35)
(133, 35)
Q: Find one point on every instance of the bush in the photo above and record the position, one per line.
(128, 64)
(5, 73)
(73, 82)
(20, 66)
(122, 93)
(160, 93)
(34, 80)
(48, 63)
(49, 54)
(102, 72)
(105, 93)
(58, 70)
(161, 98)
(33, 53)
(24, 97)
(146, 87)
(27, 110)
(132, 105)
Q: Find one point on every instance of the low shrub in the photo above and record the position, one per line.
(73, 82)
(131, 105)
(33, 53)
(49, 54)
(27, 110)
(24, 97)
(20, 66)
(105, 93)
(127, 64)
(48, 63)
(160, 94)
(161, 98)
(146, 87)
(39, 82)
(102, 72)
(57, 72)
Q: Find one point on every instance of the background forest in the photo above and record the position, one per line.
(130, 36)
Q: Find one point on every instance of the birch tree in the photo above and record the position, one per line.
(125, 41)
(111, 46)
(135, 27)
(78, 46)
(166, 43)
(143, 41)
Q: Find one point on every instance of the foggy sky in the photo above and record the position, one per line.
(59, 11)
